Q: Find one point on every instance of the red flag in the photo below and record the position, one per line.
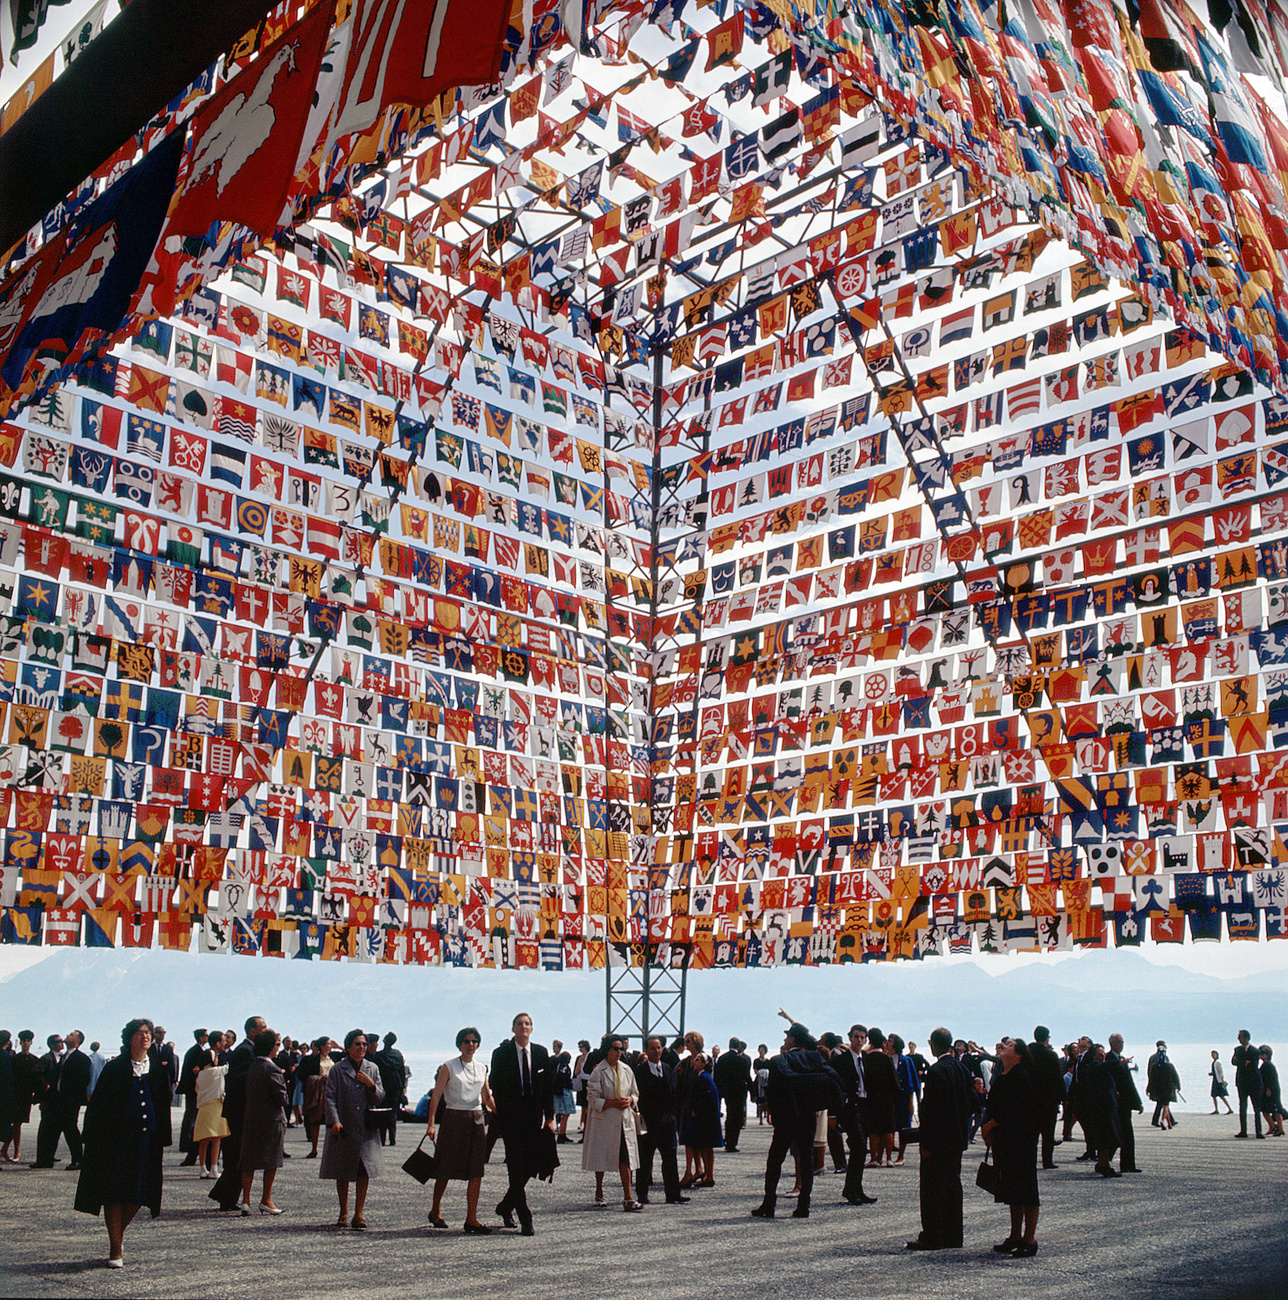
(246, 139)
(403, 53)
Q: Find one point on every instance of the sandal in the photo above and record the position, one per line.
(359, 1223)
(342, 1221)
(631, 1205)
(436, 1222)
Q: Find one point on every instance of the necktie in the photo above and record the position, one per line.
(523, 1067)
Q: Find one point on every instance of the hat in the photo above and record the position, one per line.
(1160, 1043)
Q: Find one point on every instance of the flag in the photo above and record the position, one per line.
(92, 283)
(410, 54)
(246, 139)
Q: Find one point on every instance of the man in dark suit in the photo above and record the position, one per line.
(1128, 1101)
(47, 1072)
(946, 1105)
(1076, 1099)
(656, 1081)
(801, 1083)
(733, 1082)
(393, 1079)
(193, 1060)
(1048, 1090)
(73, 1093)
(228, 1186)
(848, 1064)
(521, 1082)
(1247, 1079)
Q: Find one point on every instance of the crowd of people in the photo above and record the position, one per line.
(861, 1098)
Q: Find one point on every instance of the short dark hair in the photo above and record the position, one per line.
(390, 1038)
(26, 1035)
(5, 1036)
(58, 1038)
(876, 1037)
(1022, 1051)
(352, 1037)
(523, 1015)
(801, 1036)
(858, 1029)
(655, 1038)
(1041, 1034)
(940, 1041)
(132, 1027)
(265, 1041)
(467, 1032)
(734, 1044)
(198, 1035)
(251, 1022)
(897, 1043)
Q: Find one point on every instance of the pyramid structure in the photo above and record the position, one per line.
(741, 484)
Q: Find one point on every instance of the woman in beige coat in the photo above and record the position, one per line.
(612, 1103)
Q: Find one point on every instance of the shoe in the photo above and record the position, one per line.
(1025, 1250)
(116, 1263)
(1087, 1155)
(678, 1200)
(1005, 1247)
(706, 1182)
(286, 1155)
(1238, 1135)
(801, 1212)
(188, 1164)
(920, 1244)
(527, 1231)
(473, 1230)
(39, 1165)
(342, 1221)
(1132, 1169)
(506, 1216)
(245, 1209)
(1260, 1135)
(731, 1151)
(312, 1155)
(763, 1211)
(1052, 1165)
(268, 1209)
(562, 1140)
(70, 1167)
(359, 1223)
(685, 1183)
(436, 1222)
(630, 1206)
(1109, 1173)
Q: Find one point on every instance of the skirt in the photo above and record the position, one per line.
(462, 1145)
(210, 1121)
(1219, 1089)
(565, 1102)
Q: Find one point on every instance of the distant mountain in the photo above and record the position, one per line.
(1088, 992)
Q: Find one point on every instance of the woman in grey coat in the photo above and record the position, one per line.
(352, 1151)
(264, 1128)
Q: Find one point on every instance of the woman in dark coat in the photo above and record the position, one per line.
(1272, 1105)
(351, 1153)
(1099, 1113)
(882, 1086)
(702, 1122)
(264, 1128)
(121, 1166)
(1011, 1128)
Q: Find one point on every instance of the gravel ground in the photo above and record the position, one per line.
(1207, 1217)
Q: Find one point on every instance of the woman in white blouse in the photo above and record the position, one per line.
(210, 1127)
(461, 1145)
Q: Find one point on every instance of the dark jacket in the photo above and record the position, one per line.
(73, 1083)
(732, 1075)
(1247, 1068)
(657, 1099)
(514, 1111)
(1124, 1084)
(801, 1083)
(843, 1063)
(194, 1058)
(947, 1101)
(122, 1159)
(393, 1075)
(264, 1126)
(1047, 1075)
(239, 1063)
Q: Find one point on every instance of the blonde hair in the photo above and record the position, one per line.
(694, 1037)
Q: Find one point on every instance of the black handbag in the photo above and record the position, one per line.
(986, 1175)
(421, 1164)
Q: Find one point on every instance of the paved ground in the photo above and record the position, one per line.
(1206, 1218)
